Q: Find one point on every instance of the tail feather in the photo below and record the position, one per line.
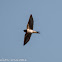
(38, 32)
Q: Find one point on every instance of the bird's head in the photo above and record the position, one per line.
(25, 30)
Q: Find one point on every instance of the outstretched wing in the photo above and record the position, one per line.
(27, 37)
(30, 22)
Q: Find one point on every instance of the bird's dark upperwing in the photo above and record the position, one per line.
(30, 22)
(27, 37)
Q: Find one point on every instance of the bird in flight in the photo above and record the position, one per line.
(29, 30)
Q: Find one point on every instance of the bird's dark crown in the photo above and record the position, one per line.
(25, 30)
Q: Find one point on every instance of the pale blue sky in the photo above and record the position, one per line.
(43, 47)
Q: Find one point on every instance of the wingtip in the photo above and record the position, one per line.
(24, 44)
(31, 15)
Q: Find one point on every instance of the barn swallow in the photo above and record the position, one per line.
(29, 30)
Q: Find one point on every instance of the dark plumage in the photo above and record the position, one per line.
(29, 30)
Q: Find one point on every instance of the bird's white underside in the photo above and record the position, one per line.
(31, 31)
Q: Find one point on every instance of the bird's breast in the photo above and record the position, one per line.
(29, 31)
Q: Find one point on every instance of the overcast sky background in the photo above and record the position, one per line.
(43, 47)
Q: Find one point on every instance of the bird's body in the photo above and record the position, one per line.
(29, 30)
